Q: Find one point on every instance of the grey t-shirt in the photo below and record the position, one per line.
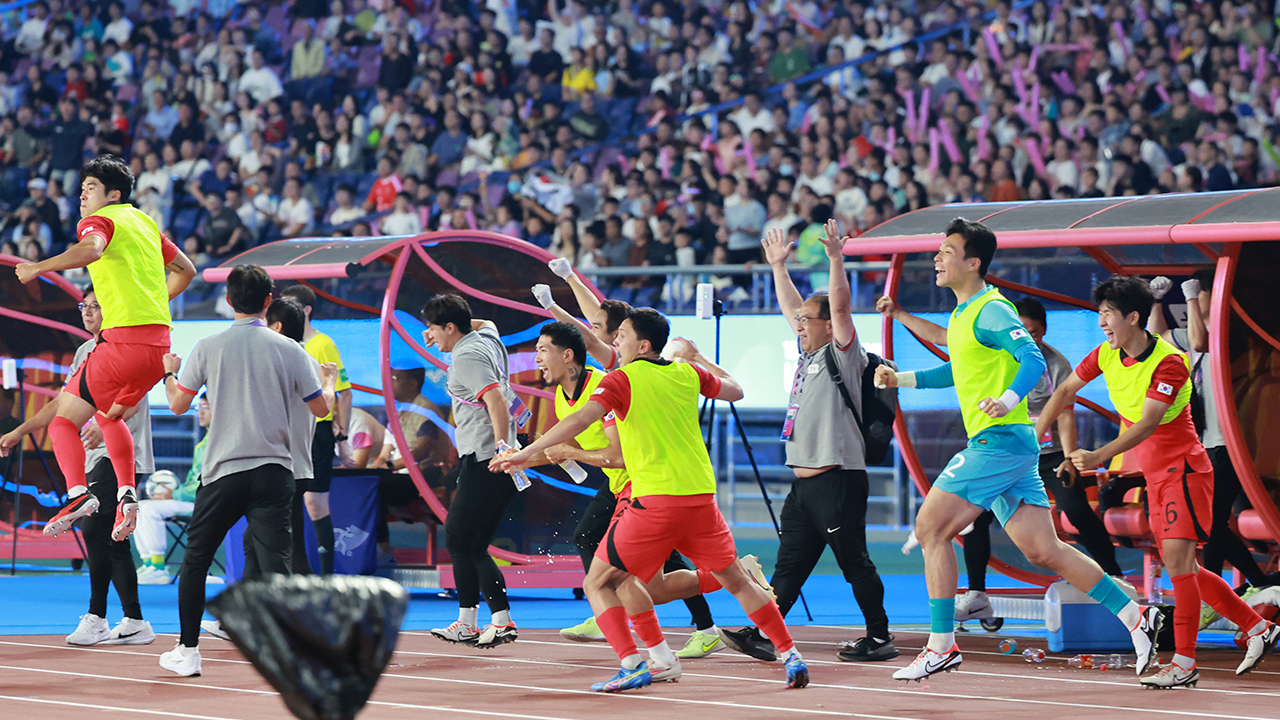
(253, 375)
(1202, 377)
(1059, 369)
(302, 431)
(479, 363)
(825, 432)
(139, 425)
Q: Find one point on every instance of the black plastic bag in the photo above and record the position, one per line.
(322, 642)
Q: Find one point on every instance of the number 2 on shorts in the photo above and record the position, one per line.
(956, 463)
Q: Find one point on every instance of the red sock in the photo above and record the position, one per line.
(1215, 591)
(613, 623)
(1186, 614)
(69, 450)
(647, 627)
(770, 622)
(119, 442)
(707, 583)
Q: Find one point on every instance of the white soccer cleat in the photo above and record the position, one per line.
(1144, 638)
(1257, 646)
(928, 663)
(458, 632)
(1172, 676)
(755, 571)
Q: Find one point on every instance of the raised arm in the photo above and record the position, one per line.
(776, 252)
(596, 347)
(839, 295)
(730, 390)
(1197, 315)
(482, 324)
(88, 250)
(588, 303)
(179, 398)
(1156, 323)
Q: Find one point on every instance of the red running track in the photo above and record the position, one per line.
(541, 677)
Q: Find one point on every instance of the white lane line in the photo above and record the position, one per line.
(87, 706)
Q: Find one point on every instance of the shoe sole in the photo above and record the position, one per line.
(979, 614)
(801, 679)
(673, 677)
(88, 644)
(730, 642)
(130, 641)
(500, 640)
(1190, 682)
(181, 673)
(881, 657)
(59, 525)
(701, 654)
(469, 643)
(573, 637)
(128, 523)
(949, 668)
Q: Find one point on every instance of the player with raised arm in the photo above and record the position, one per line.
(994, 364)
(127, 257)
(672, 505)
(1149, 382)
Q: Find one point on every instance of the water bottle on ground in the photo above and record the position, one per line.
(1008, 646)
(1033, 655)
(1109, 662)
(521, 480)
(1084, 662)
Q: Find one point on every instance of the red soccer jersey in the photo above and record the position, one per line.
(1174, 445)
(384, 191)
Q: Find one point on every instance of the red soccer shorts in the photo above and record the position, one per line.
(118, 372)
(644, 531)
(1181, 506)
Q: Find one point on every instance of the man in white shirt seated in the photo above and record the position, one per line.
(295, 216)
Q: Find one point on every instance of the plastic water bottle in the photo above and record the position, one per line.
(576, 473)
(1084, 662)
(1109, 662)
(521, 480)
(1033, 655)
(1008, 646)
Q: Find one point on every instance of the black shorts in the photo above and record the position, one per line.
(322, 452)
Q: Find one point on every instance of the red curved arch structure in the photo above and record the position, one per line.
(39, 323)
(409, 260)
(1165, 234)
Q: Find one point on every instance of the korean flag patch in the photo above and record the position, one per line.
(1017, 334)
(1164, 388)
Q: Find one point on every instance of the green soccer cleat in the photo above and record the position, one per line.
(700, 644)
(585, 631)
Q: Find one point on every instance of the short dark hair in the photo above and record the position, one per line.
(1029, 307)
(248, 287)
(448, 308)
(1204, 275)
(1127, 294)
(112, 172)
(567, 337)
(615, 312)
(305, 296)
(87, 289)
(289, 313)
(650, 325)
(979, 242)
(823, 300)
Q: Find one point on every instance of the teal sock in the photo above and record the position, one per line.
(1109, 595)
(942, 614)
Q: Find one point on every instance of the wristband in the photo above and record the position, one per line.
(340, 437)
(906, 379)
(168, 375)
(1009, 399)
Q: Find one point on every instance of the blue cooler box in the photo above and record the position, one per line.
(1077, 623)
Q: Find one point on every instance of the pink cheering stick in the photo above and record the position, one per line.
(1020, 85)
(664, 161)
(984, 143)
(910, 99)
(1063, 81)
(471, 219)
(970, 88)
(1033, 154)
(1142, 14)
(750, 152)
(949, 142)
(1118, 29)
(1035, 57)
(933, 149)
(891, 138)
(993, 47)
(1242, 57)
(923, 122)
(1164, 94)
(1260, 67)
(625, 164)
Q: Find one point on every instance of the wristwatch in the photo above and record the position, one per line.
(340, 437)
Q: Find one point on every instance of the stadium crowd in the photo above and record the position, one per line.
(599, 130)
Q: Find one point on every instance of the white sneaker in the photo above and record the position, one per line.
(661, 673)
(458, 632)
(973, 605)
(181, 660)
(1172, 676)
(131, 632)
(91, 631)
(751, 564)
(929, 662)
(152, 575)
(1144, 637)
(494, 635)
(1257, 646)
(214, 628)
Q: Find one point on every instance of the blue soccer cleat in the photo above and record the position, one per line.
(632, 679)
(797, 672)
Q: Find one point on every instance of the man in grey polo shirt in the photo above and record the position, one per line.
(827, 504)
(482, 402)
(253, 376)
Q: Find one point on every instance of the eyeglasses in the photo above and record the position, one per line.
(90, 306)
(803, 320)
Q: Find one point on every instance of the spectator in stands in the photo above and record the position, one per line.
(45, 209)
(308, 56)
(546, 62)
(403, 219)
(346, 211)
(449, 145)
(260, 81)
(222, 232)
(295, 216)
(385, 189)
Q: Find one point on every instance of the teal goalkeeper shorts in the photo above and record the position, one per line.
(995, 479)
